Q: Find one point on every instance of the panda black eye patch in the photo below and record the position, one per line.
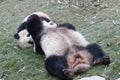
(16, 36)
(28, 35)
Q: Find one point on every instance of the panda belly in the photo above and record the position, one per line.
(54, 44)
(75, 37)
(56, 41)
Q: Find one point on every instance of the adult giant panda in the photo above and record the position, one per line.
(22, 36)
(67, 51)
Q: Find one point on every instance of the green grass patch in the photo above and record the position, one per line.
(97, 20)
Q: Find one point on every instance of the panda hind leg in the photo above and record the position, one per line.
(56, 66)
(105, 60)
(99, 56)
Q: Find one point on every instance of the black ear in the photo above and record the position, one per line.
(16, 36)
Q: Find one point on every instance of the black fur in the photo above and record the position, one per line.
(30, 42)
(99, 56)
(20, 28)
(55, 65)
(38, 48)
(46, 19)
(24, 25)
(28, 35)
(67, 25)
(34, 27)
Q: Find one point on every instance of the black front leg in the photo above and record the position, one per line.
(38, 48)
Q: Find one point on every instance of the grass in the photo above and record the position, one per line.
(97, 20)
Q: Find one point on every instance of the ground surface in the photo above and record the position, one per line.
(98, 20)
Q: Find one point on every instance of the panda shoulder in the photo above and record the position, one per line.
(68, 26)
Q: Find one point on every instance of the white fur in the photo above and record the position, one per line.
(57, 40)
(50, 24)
(23, 40)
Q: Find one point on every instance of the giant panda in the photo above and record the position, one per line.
(67, 51)
(22, 36)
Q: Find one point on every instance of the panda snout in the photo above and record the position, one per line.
(51, 23)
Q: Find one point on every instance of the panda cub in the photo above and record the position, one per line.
(22, 36)
(67, 51)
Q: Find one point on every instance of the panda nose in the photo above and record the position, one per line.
(51, 23)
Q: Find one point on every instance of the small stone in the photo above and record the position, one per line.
(92, 78)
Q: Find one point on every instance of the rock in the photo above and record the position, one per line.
(92, 78)
(117, 79)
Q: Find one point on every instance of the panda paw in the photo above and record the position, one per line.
(105, 60)
(68, 73)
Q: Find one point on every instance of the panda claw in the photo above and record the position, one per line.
(68, 74)
(97, 62)
(104, 60)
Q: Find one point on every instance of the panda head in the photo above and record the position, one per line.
(23, 38)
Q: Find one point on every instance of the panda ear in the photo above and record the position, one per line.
(16, 36)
